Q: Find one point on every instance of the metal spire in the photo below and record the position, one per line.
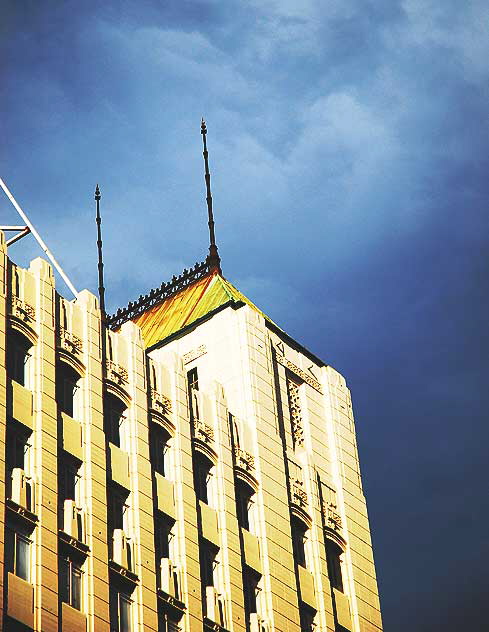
(213, 258)
(101, 288)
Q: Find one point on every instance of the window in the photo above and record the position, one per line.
(120, 610)
(208, 563)
(250, 592)
(306, 615)
(299, 531)
(202, 476)
(117, 509)
(333, 558)
(167, 624)
(17, 357)
(17, 448)
(66, 386)
(163, 537)
(159, 447)
(70, 582)
(192, 386)
(244, 494)
(113, 419)
(68, 479)
(17, 552)
(193, 380)
(69, 489)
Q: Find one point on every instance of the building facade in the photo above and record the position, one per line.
(188, 467)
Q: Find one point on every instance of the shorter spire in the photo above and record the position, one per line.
(213, 258)
(101, 288)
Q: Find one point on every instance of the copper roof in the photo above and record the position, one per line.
(185, 307)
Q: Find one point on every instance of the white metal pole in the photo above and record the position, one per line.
(38, 238)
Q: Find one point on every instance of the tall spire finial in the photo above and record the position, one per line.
(101, 288)
(213, 257)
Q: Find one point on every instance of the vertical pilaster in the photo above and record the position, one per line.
(45, 452)
(95, 467)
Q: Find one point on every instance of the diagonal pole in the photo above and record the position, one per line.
(38, 238)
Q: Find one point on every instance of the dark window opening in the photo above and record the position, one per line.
(333, 558)
(299, 530)
(202, 474)
(234, 431)
(192, 386)
(119, 610)
(163, 536)
(192, 380)
(68, 478)
(208, 563)
(17, 552)
(17, 355)
(244, 494)
(113, 419)
(159, 445)
(306, 615)
(250, 592)
(167, 624)
(17, 446)
(70, 582)
(66, 385)
(116, 510)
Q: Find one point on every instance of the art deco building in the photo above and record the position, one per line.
(183, 465)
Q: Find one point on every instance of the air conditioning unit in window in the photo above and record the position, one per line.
(216, 606)
(170, 578)
(257, 624)
(22, 489)
(73, 520)
(120, 547)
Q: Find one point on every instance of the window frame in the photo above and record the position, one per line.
(114, 418)
(163, 537)
(244, 501)
(202, 471)
(118, 596)
(299, 531)
(208, 563)
(15, 536)
(72, 568)
(17, 357)
(160, 444)
(334, 565)
(67, 384)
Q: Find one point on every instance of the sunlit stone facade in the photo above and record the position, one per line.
(208, 482)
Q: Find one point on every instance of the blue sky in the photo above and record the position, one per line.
(349, 156)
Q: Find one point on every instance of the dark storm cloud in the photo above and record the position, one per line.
(349, 166)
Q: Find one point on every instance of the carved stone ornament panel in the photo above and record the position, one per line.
(194, 354)
(299, 372)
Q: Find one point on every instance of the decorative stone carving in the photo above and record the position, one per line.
(203, 432)
(194, 354)
(116, 373)
(299, 372)
(244, 459)
(332, 517)
(159, 402)
(22, 310)
(69, 342)
(295, 412)
(299, 495)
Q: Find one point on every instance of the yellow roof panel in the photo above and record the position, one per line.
(187, 306)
